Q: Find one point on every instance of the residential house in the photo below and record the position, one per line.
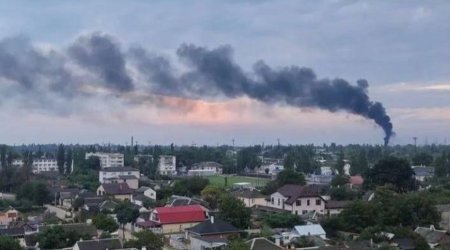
(271, 169)
(117, 173)
(422, 173)
(327, 171)
(167, 165)
(7, 216)
(131, 180)
(140, 200)
(307, 230)
(250, 198)
(263, 244)
(147, 191)
(176, 201)
(177, 219)
(298, 199)
(206, 168)
(143, 157)
(108, 160)
(119, 191)
(67, 196)
(444, 210)
(434, 237)
(319, 179)
(333, 207)
(98, 244)
(211, 233)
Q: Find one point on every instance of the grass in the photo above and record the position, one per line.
(219, 180)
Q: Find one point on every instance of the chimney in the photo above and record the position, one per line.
(212, 219)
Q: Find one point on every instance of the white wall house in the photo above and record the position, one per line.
(298, 199)
(108, 160)
(167, 165)
(117, 173)
(205, 169)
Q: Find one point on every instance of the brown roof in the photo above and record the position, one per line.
(117, 188)
(293, 192)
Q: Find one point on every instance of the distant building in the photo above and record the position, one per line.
(307, 230)
(39, 165)
(205, 169)
(167, 165)
(98, 244)
(250, 198)
(211, 234)
(108, 160)
(117, 173)
(422, 173)
(8, 215)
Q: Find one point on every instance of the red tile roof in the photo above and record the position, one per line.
(356, 180)
(180, 214)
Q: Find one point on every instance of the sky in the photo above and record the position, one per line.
(55, 89)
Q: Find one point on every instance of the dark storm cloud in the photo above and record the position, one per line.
(210, 74)
(100, 53)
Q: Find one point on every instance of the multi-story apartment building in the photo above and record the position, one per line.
(119, 173)
(39, 165)
(205, 169)
(108, 160)
(167, 165)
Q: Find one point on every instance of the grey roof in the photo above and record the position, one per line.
(13, 232)
(210, 228)
(293, 192)
(405, 243)
(141, 189)
(423, 171)
(262, 244)
(117, 188)
(108, 205)
(119, 169)
(128, 177)
(101, 244)
(431, 235)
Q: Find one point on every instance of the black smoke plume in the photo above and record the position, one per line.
(97, 60)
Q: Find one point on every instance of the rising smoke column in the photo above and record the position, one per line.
(210, 74)
(213, 73)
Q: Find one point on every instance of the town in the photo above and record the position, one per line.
(224, 197)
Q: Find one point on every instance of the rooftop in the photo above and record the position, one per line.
(213, 226)
(119, 169)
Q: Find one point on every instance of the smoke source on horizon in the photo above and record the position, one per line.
(96, 61)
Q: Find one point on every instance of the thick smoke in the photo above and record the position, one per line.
(210, 74)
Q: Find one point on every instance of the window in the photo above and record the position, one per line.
(318, 202)
(296, 212)
(304, 211)
(272, 200)
(307, 202)
(278, 201)
(298, 203)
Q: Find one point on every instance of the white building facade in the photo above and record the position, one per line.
(167, 165)
(297, 199)
(108, 160)
(117, 173)
(39, 165)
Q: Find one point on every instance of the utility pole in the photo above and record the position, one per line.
(415, 143)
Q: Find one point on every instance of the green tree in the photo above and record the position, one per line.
(35, 192)
(237, 244)
(282, 220)
(125, 213)
(68, 160)
(339, 180)
(8, 243)
(234, 211)
(145, 239)
(422, 159)
(190, 186)
(211, 194)
(56, 237)
(391, 170)
(60, 158)
(290, 177)
(105, 222)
